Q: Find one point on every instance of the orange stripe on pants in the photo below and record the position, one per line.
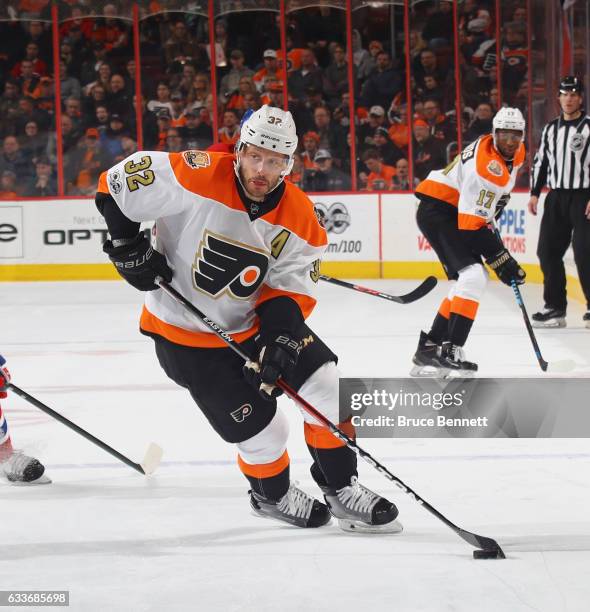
(444, 310)
(264, 470)
(319, 436)
(464, 307)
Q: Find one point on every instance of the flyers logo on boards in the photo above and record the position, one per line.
(223, 265)
(335, 218)
(196, 159)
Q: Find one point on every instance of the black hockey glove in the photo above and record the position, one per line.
(506, 268)
(277, 358)
(501, 205)
(138, 263)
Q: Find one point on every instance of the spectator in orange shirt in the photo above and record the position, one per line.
(270, 69)
(230, 131)
(399, 131)
(311, 145)
(178, 107)
(381, 176)
(8, 185)
(237, 100)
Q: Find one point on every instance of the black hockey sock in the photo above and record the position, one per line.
(439, 331)
(271, 480)
(463, 313)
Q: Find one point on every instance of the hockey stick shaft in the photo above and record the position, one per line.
(471, 538)
(427, 285)
(529, 327)
(82, 432)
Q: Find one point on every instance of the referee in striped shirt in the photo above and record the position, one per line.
(563, 162)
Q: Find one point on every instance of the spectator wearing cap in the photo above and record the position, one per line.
(12, 158)
(380, 177)
(43, 183)
(177, 118)
(195, 133)
(324, 177)
(336, 76)
(8, 186)
(387, 150)
(383, 84)
(229, 132)
(367, 129)
(308, 75)
(230, 82)
(311, 142)
(429, 153)
(270, 69)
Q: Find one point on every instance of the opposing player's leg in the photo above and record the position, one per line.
(334, 467)
(15, 466)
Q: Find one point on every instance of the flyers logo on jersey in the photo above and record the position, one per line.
(223, 265)
(196, 159)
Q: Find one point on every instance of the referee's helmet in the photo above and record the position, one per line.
(571, 83)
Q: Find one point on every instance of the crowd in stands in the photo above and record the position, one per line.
(99, 110)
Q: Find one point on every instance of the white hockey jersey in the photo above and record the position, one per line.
(474, 182)
(223, 262)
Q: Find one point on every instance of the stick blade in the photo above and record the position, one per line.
(565, 365)
(152, 459)
(423, 289)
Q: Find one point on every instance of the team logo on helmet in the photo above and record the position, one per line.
(335, 219)
(223, 265)
(196, 159)
(577, 142)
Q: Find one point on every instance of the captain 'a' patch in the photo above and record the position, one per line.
(224, 265)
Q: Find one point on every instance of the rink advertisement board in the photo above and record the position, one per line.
(466, 407)
(352, 224)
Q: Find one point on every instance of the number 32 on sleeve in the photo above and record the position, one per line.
(139, 173)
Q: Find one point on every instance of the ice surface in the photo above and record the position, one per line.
(184, 539)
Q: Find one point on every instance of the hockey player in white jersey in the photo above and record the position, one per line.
(244, 246)
(15, 466)
(458, 206)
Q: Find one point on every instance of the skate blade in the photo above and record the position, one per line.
(428, 372)
(359, 527)
(551, 324)
(43, 479)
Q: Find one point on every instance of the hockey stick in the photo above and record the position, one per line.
(488, 548)
(153, 454)
(420, 291)
(566, 365)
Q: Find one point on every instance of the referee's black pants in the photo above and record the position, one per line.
(563, 222)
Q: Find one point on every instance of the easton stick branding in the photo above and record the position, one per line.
(223, 265)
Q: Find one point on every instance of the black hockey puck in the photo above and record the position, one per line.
(488, 554)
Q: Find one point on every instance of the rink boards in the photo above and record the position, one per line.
(371, 236)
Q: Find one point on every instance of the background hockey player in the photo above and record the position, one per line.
(244, 246)
(562, 161)
(15, 466)
(458, 206)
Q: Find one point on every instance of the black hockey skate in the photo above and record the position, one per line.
(586, 319)
(452, 358)
(426, 357)
(295, 507)
(19, 468)
(549, 317)
(360, 510)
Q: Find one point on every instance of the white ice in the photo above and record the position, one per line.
(184, 539)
